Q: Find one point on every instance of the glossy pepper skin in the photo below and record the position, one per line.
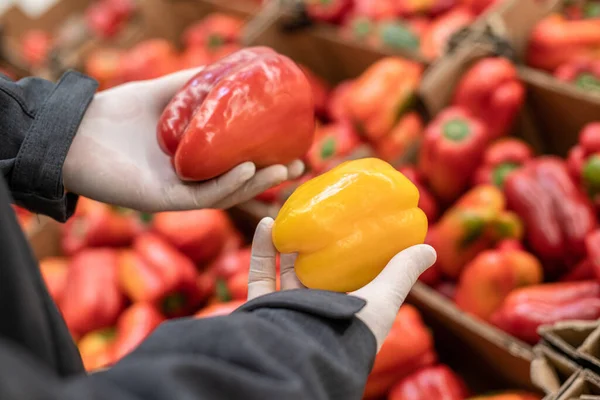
(584, 161)
(500, 159)
(54, 271)
(342, 259)
(525, 309)
(475, 223)
(214, 31)
(382, 94)
(332, 11)
(401, 144)
(408, 346)
(556, 214)
(199, 234)
(331, 141)
(435, 39)
(156, 272)
(438, 382)
(206, 127)
(452, 147)
(584, 74)
(556, 40)
(491, 91)
(491, 276)
(134, 325)
(96, 224)
(427, 202)
(92, 298)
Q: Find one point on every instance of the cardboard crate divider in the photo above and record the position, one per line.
(584, 385)
(550, 369)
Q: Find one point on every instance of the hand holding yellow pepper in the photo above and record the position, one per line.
(348, 223)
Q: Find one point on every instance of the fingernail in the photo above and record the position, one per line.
(246, 171)
(426, 253)
(266, 222)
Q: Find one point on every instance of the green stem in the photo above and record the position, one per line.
(456, 130)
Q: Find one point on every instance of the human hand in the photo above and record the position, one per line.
(384, 294)
(115, 157)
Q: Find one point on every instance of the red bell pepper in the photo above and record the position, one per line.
(581, 9)
(231, 271)
(584, 161)
(156, 272)
(104, 66)
(107, 17)
(500, 159)
(205, 117)
(435, 40)
(592, 245)
(408, 8)
(55, 271)
(92, 298)
(491, 90)
(134, 326)
(331, 141)
(199, 234)
(382, 94)
(97, 224)
(526, 309)
(556, 215)
(555, 41)
(427, 202)
(214, 31)
(439, 383)
(491, 276)
(332, 11)
(401, 144)
(376, 10)
(35, 46)
(409, 346)
(148, 60)
(396, 35)
(219, 309)
(452, 147)
(585, 74)
(336, 107)
(23, 216)
(194, 57)
(480, 6)
(582, 271)
(320, 90)
(280, 193)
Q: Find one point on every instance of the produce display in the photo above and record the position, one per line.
(566, 44)
(420, 27)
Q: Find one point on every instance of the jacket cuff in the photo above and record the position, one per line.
(36, 180)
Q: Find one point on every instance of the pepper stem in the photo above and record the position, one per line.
(591, 174)
(215, 41)
(456, 130)
(591, 10)
(587, 81)
(173, 304)
(500, 173)
(328, 148)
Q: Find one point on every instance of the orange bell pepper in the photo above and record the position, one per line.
(408, 347)
(401, 144)
(340, 224)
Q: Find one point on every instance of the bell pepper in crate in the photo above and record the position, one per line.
(331, 141)
(148, 60)
(435, 40)
(332, 11)
(213, 31)
(382, 94)
(491, 91)
(408, 347)
(199, 234)
(205, 128)
(156, 272)
(54, 271)
(584, 161)
(396, 35)
(491, 276)
(409, 8)
(556, 214)
(500, 159)
(401, 145)
(104, 66)
(219, 309)
(320, 90)
(452, 146)
(475, 223)
(584, 74)
(96, 349)
(134, 325)
(379, 10)
(97, 224)
(479, 6)
(508, 396)
(231, 273)
(365, 201)
(592, 245)
(337, 109)
(281, 192)
(438, 382)
(427, 202)
(92, 298)
(555, 41)
(526, 309)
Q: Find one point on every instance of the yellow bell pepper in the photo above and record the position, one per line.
(348, 223)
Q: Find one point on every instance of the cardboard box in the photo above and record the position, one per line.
(585, 385)
(550, 370)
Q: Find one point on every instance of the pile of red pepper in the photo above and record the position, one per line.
(567, 44)
(412, 25)
(515, 233)
(210, 39)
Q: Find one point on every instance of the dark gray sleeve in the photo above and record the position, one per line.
(38, 120)
(291, 345)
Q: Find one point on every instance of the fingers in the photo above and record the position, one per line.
(262, 275)
(207, 194)
(289, 279)
(164, 88)
(263, 180)
(295, 169)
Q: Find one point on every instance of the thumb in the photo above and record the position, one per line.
(163, 89)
